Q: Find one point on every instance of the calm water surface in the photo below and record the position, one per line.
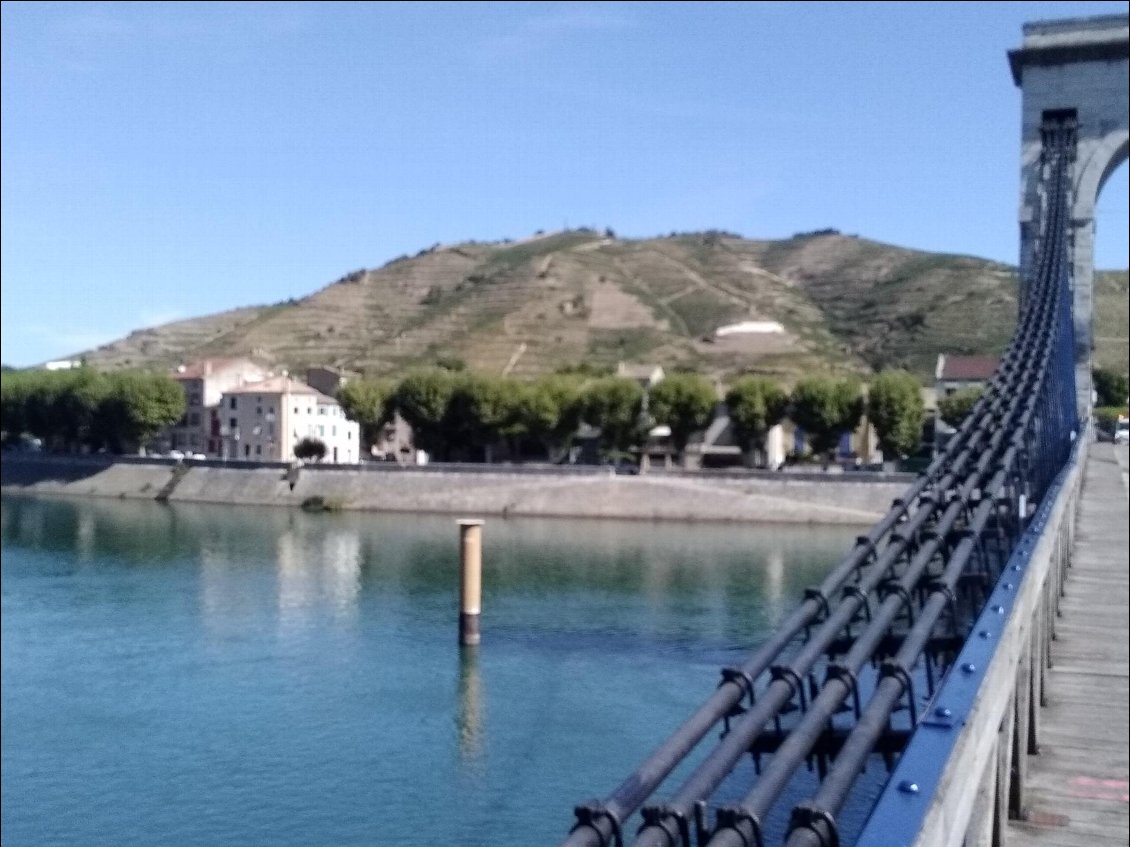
(198, 675)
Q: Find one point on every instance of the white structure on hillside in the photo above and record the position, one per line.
(648, 376)
(265, 421)
(750, 328)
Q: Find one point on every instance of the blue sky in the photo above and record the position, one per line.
(162, 161)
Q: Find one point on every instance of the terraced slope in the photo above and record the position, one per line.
(531, 307)
(1112, 317)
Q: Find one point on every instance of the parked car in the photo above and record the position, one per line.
(1122, 431)
(624, 466)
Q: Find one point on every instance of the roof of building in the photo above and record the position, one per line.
(210, 367)
(966, 367)
(281, 385)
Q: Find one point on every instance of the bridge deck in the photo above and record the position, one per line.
(1077, 785)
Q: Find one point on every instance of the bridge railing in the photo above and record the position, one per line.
(962, 774)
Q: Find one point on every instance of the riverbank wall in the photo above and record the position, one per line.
(528, 491)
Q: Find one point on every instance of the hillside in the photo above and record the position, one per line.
(1112, 317)
(564, 298)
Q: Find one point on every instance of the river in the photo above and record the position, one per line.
(203, 675)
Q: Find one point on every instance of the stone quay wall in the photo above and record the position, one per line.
(543, 491)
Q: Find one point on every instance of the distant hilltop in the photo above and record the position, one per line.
(710, 301)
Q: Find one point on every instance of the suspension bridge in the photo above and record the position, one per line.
(937, 644)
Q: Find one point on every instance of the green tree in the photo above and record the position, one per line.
(84, 407)
(135, 406)
(310, 449)
(35, 403)
(551, 411)
(1106, 418)
(684, 402)
(614, 404)
(895, 408)
(422, 398)
(15, 394)
(483, 410)
(756, 404)
(367, 401)
(954, 407)
(76, 406)
(825, 408)
(41, 403)
(1110, 387)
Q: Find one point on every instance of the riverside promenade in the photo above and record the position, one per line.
(1076, 794)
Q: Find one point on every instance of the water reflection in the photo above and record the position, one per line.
(470, 720)
(298, 677)
(773, 586)
(708, 577)
(317, 571)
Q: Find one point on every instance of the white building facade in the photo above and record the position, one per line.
(204, 383)
(265, 421)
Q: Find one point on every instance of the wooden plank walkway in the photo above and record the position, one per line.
(1077, 786)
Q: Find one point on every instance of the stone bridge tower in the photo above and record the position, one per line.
(1080, 66)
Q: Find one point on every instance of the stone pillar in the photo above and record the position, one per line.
(1075, 65)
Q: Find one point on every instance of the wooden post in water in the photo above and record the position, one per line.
(471, 580)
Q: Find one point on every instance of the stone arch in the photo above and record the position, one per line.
(1104, 160)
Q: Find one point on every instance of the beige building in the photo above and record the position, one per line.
(326, 379)
(265, 421)
(204, 383)
(954, 373)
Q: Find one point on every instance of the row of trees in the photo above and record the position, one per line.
(454, 413)
(457, 414)
(87, 409)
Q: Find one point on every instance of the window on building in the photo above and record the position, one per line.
(271, 430)
(333, 431)
(194, 419)
(247, 451)
(259, 411)
(321, 430)
(232, 402)
(258, 449)
(321, 410)
(233, 422)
